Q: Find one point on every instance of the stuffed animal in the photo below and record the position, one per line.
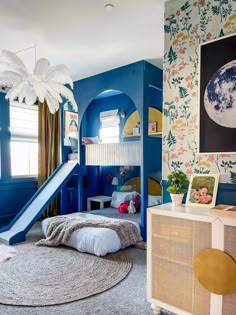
(131, 207)
(123, 208)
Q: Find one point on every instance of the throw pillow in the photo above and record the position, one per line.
(90, 140)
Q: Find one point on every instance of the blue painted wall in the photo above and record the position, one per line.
(14, 192)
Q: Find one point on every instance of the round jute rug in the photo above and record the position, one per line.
(39, 276)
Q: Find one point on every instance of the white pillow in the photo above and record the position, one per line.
(154, 200)
(119, 196)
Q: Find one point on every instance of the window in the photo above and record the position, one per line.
(110, 126)
(24, 140)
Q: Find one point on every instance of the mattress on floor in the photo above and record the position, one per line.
(97, 241)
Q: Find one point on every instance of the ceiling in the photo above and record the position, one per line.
(82, 34)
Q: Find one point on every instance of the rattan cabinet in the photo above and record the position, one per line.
(175, 236)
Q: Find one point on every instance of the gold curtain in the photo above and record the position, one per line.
(49, 150)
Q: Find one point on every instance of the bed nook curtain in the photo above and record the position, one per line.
(49, 149)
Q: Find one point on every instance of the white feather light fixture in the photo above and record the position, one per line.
(46, 83)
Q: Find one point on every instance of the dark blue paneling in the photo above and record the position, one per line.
(13, 196)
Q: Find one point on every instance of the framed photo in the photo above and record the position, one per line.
(202, 190)
(70, 126)
(217, 96)
(152, 127)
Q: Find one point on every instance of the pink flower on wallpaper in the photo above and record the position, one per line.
(195, 3)
(187, 164)
(177, 99)
(183, 64)
(202, 3)
(174, 72)
(225, 155)
(182, 50)
(174, 156)
(194, 29)
(208, 36)
(168, 69)
(194, 94)
(189, 172)
(182, 150)
(164, 77)
(188, 78)
(178, 12)
(190, 86)
(211, 158)
(181, 137)
(164, 159)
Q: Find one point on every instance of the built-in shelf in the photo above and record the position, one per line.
(154, 117)
(154, 134)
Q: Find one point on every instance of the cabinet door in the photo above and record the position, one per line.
(229, 301)
(175, 242)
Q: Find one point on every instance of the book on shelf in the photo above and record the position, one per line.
(223, 211)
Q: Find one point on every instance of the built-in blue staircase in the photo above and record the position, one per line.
(16, 231)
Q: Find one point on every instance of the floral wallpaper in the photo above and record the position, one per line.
(188, 23)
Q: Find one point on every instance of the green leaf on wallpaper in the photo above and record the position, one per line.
(172, 56)
(222, 32)
(185, 6)
(171, 140)
(165, 112)
(215, 10)
(171, 18)
(183, 92)
(233, 177)
(167, 28)
(189, 27)
(201, 171)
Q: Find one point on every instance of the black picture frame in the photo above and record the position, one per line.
(215, 138)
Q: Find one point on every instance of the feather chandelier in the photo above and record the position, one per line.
(46, 83)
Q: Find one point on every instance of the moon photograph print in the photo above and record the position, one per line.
(220, 96)
(217, 77)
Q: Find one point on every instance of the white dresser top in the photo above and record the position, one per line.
(186, 212)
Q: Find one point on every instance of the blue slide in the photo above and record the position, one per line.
(16, 231)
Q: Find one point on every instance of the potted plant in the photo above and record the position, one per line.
(177, 180)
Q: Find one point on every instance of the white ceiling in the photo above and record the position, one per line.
(82, 34)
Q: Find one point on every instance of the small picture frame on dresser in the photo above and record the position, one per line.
(202, 190)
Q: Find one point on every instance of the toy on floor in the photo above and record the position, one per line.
(131, 207)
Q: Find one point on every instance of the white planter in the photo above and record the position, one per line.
(177, 199)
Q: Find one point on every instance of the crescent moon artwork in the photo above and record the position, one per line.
(220, 96)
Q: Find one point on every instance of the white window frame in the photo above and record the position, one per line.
(110, 126)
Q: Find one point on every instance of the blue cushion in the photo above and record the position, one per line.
(74, 144)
